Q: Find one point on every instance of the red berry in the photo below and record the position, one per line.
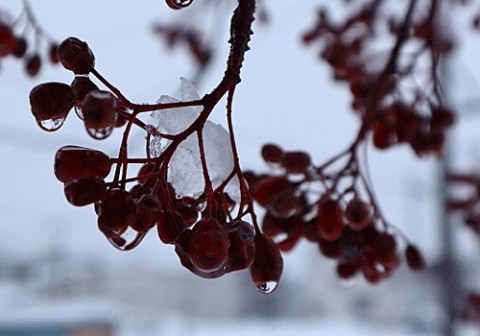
(144, 172)
(285, 204)
(382, 137)
(271, 225)
(99, 114)
(32, 65)
(371, 273)
(116, 212)
(81, 86)
(267, 267)
(414, 258)
(182, 244)
(147, 210)
(51, 102)
(346, 271)
(267, 189)
(272, 153)
(330, 248)
(329, 219)
(74, 162)
(20, 48)
(8, 43)
(186, 210)
(296, 162)
(358, 214)
(76, 56)
(120, 110)
(168, 227)
(84, 191)
(209, 245)
(384, 249)
(242, 246)
(52, 53)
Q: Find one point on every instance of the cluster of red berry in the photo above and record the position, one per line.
(51, 102)
(209, 240)
(380, 94)
(401, 123)
(302, 202)
(331, 205)
(17, 45)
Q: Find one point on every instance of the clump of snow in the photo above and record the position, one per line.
(185, 168)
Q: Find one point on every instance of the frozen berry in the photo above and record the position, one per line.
(76, 56)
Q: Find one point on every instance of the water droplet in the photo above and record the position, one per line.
(51, 125)
(156, 147)
(349, 283)
(178, 4)
(267, 287)
(100, 133)
(78, 111)
(127, 240)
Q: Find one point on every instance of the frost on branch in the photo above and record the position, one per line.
(185, 168)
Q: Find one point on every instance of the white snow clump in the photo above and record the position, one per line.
(185, 167)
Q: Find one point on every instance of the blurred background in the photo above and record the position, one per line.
(60, 276)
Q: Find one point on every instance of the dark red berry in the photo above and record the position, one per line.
(267, 189)
(168, 227)
(330, 248)
(82, 85)
(74, 162)
(21, 47)
(99, 113)
(358, 214)
(8, 42)
(384, 249)
(51, 101)
(285, 204)
(296, 162)
(272, 153)
(414, 258)
(182, 244)
(346, 271)
(147, 209)
(371, 273)
(52, 53)
(144, 172)
(76, 56)
(116, 212)
(267, 267)
(33, 64)
(329, 219)
(208, 249)
(442, 117)
(84, 191)
(242, 246)
(382, 137)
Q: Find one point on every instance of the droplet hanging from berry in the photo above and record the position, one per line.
(99, 113)
(50, 104)
(267, 267)
(178, 4)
